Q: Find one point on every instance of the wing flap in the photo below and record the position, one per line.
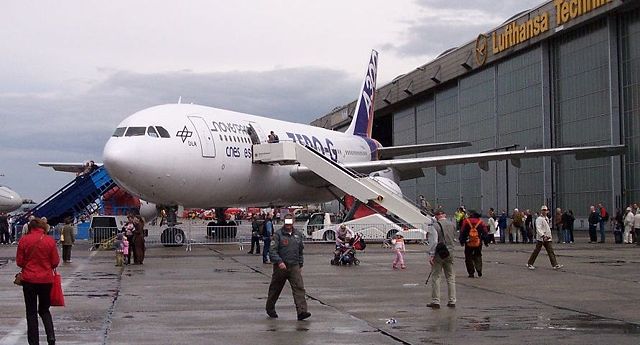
(394, 151)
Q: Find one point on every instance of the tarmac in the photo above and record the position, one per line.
(215, 294)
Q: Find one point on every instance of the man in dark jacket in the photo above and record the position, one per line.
(255, 235)
(502, 224)
(472, 234)
(594, 219)
(287, 258)
(5, 235)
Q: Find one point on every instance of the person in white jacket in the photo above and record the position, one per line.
(629, 221)
(543, 238)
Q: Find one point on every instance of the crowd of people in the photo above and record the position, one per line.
(283, 248)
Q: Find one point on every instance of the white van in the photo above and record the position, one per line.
(372, 227)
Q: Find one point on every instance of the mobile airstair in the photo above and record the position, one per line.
(76, 197)
(364, 188)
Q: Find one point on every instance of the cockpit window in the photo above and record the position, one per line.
(163, 132)
(152, 132)
(135, 131)
(119, 132)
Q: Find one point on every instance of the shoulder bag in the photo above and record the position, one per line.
(441, 248)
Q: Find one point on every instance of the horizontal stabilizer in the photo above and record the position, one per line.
(395, 151)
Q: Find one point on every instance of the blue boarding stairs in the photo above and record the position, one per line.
(76, 197)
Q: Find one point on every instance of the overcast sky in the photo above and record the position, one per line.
(70, 71)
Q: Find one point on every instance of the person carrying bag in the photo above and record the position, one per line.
(37, 255)
(441, 261)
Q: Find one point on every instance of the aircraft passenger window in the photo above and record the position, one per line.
(163, 132)
(119, 132)
(152, 132)
(220, 137)
(135, 131)
(225, 138)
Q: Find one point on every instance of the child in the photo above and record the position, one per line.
(398, 248)
(125, 250)
(118, 245)
(128, 234)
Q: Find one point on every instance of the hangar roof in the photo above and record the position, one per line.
(521, 31)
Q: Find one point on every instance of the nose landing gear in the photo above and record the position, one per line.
(172, 236)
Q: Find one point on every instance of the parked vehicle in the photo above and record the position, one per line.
(104, 228)
(323, 226)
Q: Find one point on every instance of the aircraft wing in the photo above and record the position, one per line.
(393, 151)
(65, 167)
(410, 168)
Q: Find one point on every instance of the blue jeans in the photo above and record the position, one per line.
(566, 235)
(265, 251)
(602, 231)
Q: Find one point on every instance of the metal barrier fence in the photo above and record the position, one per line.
(189, 233)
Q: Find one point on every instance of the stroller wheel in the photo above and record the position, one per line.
(333, 262)
(356, 262)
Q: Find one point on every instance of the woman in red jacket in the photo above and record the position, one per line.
(37, 256)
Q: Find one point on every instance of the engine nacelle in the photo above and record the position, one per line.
(148, 210)
(388, 179)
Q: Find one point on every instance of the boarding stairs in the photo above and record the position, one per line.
(76, 197)
(362, 187)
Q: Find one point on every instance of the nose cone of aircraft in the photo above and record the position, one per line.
(121, 161)
(9, 200)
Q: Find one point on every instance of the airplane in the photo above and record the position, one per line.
(9, 199)
(199, 156)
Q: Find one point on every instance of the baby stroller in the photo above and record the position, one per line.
(345, 253)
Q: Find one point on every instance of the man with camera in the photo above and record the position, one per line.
(441, 260)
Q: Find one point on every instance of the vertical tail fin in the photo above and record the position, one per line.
(362, 121)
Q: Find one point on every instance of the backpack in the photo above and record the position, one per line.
(517, 220)
(474, 235)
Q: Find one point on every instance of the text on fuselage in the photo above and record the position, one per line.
(314, 142)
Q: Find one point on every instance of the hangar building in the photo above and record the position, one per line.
(565, 73)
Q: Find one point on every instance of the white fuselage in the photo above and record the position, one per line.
(207, 159)
(9, 200)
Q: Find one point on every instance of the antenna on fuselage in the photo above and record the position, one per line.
(180, 100)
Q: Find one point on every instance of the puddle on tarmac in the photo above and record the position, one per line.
(581, 323)
(591, 323)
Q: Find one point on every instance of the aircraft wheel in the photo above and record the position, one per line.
(172, 237)
(329, 235)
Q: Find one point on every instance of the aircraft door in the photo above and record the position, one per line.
(204, 134)
(255, 133)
